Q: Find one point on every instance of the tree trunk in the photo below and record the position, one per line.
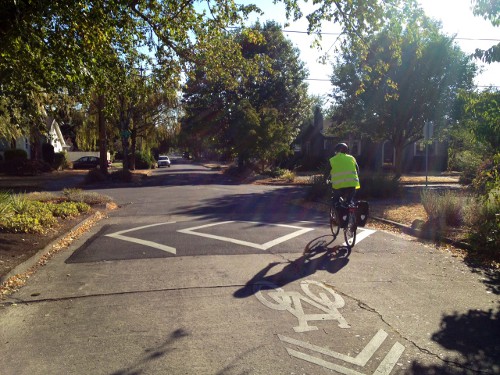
(124, 134)
(133, 146)
(103, 149)
(398, 160)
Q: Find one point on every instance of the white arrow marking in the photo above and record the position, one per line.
(264, 246)
(118, 235)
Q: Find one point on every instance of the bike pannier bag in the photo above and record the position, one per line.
(362, 213)
(342, 214)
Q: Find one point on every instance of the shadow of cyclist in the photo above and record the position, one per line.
(317, 255)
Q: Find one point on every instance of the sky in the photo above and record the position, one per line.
(455, 15)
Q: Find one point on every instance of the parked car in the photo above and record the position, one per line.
(88, 162)
(163, 161)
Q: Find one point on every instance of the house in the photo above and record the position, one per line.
(28, 144)
(316, 147)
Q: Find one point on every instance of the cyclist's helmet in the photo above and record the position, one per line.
(342, 147)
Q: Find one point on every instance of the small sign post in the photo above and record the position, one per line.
(428, 130)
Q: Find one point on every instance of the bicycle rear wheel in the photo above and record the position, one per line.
(334, 222)
(350, 230)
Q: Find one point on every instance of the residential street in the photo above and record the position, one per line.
(196, 274)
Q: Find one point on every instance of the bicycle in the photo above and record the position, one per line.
(347, 217)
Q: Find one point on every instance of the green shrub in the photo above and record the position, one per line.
(15, 153)
(95, 175)
(21, 167)
(488, 175)
(61, 161)
(122, 175)
(144, 160)
(27, 217)
(319, 188)
(48, 153)
(467, 163)
(5, 202)
(19, 204)
(64, 209)
(82, 207)
(485, 225)
(288, 175)
(378, 185)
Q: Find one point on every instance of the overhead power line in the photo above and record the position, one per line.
(337, 34)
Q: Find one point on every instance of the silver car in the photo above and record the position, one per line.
(163, 161)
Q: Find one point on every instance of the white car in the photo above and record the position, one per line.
(163, 161)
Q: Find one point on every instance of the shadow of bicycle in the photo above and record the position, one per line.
(319, 254)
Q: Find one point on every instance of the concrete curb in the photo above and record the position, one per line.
(416, 232)
(420, 234)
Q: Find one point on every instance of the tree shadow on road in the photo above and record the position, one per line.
(475, 337)
(152, 354)
(319, 254)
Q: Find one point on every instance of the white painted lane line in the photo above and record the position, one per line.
(321, 362)
(360, 236)
(264, 246)
(119, 235)
(360, 360)
(390, 360)
(384, 368)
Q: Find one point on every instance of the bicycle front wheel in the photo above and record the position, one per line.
(334, 222)
(350, 230)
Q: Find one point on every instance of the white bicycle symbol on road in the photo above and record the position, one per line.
(292, 302)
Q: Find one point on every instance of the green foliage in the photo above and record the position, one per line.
(467, 162)
(13, 154)
(389, 92)
(27, 216)
(5, 202)
(485, 225)
(488, 175)
(144, 160)
(378, 185)
(48, 153)
(482, 115)
(122, 175)
(256, 117)
(38, 212)
(26, 223)
(68, 209)
(61, 161)
(95, 175)
(19, 204)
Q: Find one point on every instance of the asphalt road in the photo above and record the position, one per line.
(195, 274)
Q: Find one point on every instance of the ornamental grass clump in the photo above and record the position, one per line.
(88, 197)
(445, 208)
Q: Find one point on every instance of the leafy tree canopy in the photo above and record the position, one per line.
(482, 114)
(490, 11)
(259, 117)
(408, 74)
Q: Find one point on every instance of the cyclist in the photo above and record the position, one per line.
(344, 174)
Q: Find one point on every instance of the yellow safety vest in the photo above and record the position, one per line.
(343, 173)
